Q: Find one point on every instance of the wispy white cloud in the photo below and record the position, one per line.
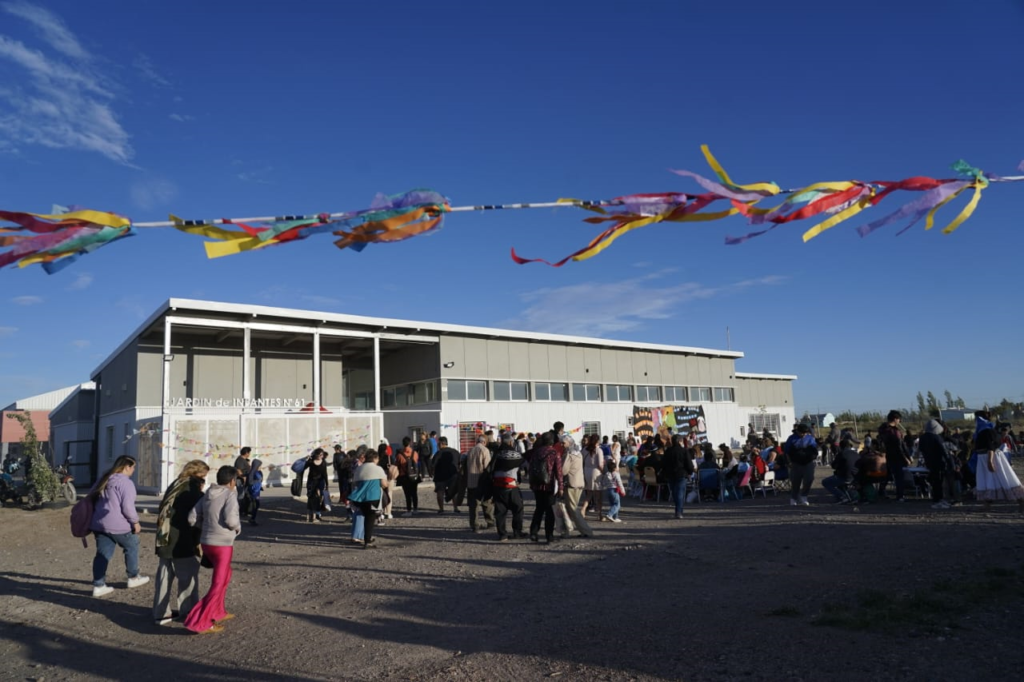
(325, 301)
(52, 28)
(259, 176)
(7, 331)
(154, 192)
(82, 281)
(80, 343)
(144, 65)
(602, 308)
(27, 300)
(133, 306)
(61, 101)
(181, 118)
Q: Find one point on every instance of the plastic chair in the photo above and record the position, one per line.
(765, 484)
(709, 479)
(745, 482)
(651, 479)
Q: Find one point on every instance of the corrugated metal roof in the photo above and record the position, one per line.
(396, 326)
(47, 401)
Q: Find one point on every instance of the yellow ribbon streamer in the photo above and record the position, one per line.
(845, 214)
(770, 187)
(969, 208)
(96, 217)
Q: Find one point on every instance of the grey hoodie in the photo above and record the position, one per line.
(217, 513)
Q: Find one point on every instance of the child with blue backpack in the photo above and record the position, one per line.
(255, 487)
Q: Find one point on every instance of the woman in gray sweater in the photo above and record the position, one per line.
(217, 515)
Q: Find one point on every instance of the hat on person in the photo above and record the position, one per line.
(933, 426)
(803, 428)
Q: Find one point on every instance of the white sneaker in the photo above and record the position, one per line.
(793, 503)
(390, 516)
(102, 591)
(804, 502)
(616, 520)
(138, 581)
(941, 504)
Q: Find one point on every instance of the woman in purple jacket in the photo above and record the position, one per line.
(115, 523)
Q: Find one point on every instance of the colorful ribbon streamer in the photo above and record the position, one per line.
(57, 239)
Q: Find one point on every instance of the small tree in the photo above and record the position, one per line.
(40, 474)
(949, 399)
(921, 407)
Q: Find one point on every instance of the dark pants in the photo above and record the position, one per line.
(474, 501)
(505, 501)
(895, 468)
(545, 510)
(254, 507)
(411, 488)
(936, 475)
(801, 476)
(369, 518)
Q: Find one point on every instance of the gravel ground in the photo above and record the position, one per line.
(755, 590)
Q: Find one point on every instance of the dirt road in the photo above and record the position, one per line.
(754, 590)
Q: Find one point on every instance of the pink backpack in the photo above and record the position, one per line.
(81, 518)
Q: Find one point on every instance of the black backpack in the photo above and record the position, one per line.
(540, 475)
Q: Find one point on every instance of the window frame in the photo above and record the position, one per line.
(685, 397)
(647, 394)
(699, 391)
(731, 392)
(618, 393)
(586, 390)
(510, 385)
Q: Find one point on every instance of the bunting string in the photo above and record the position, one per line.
(57, 239)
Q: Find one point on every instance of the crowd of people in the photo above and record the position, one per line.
(197, 523)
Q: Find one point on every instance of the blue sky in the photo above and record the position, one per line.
(210, 110)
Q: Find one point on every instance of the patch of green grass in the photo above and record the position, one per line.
(931, 609)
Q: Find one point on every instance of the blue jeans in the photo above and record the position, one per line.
(611, 498)
(358, 525)
(105, 544)
(678, 487)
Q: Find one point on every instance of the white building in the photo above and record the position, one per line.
(199, 379)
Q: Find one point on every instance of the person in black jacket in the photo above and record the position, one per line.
(677, 467)
(446, 475)
(316, 484)
(934, 450)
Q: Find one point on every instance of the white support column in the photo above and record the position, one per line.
(376, 374)
(246, 374)
(316, 371)
(166, 455)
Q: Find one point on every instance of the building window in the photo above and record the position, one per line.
(511, 390)
(110, 442)
(700, 394)
(591, 428)
(462, 389)
(676, 394)
(762, 421)
(618, 393)
(468, 432)
(648, 394)
(586, 393)
(724, 395)
(552, 392)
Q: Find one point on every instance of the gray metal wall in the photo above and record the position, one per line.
(118, 381)
(411, 362)
(500, 359)
(768, 392)
(202, 370)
